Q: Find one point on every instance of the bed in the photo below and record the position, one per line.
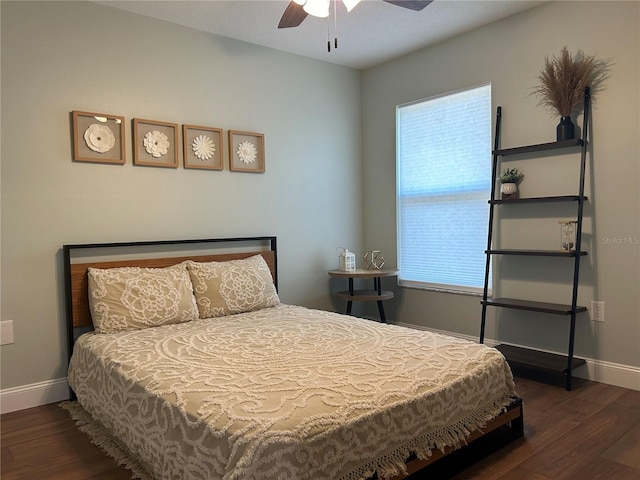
(223, 381)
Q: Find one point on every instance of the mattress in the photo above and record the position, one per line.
(286, 393)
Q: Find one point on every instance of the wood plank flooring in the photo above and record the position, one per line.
(592, 432)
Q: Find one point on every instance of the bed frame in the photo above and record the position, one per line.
(503, 429)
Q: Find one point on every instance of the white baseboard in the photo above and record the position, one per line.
(34, 395)
(610, 373)
(52, 391)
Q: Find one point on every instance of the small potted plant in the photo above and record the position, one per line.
(509, 179)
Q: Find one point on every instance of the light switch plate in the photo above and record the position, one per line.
(6, 332)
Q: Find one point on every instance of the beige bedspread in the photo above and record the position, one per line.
(286, 393)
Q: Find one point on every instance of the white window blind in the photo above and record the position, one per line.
(443, 185)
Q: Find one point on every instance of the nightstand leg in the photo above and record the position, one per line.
(349, 303)
(383, 319)
(376, 285)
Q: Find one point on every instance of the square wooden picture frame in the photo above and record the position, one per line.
(98, 137)
(202, 147)
(246, 151)
(155, 143)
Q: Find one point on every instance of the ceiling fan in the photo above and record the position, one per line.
(298, 10)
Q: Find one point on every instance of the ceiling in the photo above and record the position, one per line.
(372, 33)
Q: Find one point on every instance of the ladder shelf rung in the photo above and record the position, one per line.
(537, 360)
(574, 142)
(543, 307)
(551, 199)
(535, 253)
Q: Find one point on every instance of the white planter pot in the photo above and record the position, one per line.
(509, 191)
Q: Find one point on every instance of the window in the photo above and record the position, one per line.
(443, 185)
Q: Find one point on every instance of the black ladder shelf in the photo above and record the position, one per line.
(519, 357)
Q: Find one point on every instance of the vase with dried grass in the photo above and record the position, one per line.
(563, 81)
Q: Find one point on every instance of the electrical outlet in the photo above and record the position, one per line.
(596, 313)
(6, 332)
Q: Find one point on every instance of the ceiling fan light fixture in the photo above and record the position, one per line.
(317, 8)
(298, 10)
(350, 4)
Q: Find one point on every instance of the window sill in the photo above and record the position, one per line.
(443, 289)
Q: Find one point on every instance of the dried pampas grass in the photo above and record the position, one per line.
(564, 79)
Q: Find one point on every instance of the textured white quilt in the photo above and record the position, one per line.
(286, 393)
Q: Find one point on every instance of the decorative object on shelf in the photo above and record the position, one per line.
(563, 81)
(374, 259)
(509, 191)
(565, 130)
(568, 234)
(509, 180)
(346, 259)
(155, 143)
(98, 137)
(246, 151)
(202, 147)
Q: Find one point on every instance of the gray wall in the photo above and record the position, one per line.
(509, 54)
(64, 56)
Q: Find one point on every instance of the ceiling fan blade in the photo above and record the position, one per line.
(416, 5)
(292, 16)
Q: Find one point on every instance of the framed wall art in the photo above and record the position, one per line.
(246, 151)
(155, 143)
(98, 137)
(202, 147)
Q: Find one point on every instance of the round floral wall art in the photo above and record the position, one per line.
(156, 143)
(247, 152)
(99, 138)
(203, 147)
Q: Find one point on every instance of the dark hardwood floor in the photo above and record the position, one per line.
(592, 432)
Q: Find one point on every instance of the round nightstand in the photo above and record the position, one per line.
(375, 295)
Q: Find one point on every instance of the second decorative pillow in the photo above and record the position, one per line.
(235, 286)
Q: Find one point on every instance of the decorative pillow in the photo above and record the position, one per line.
(235, 286)
(131, 298)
